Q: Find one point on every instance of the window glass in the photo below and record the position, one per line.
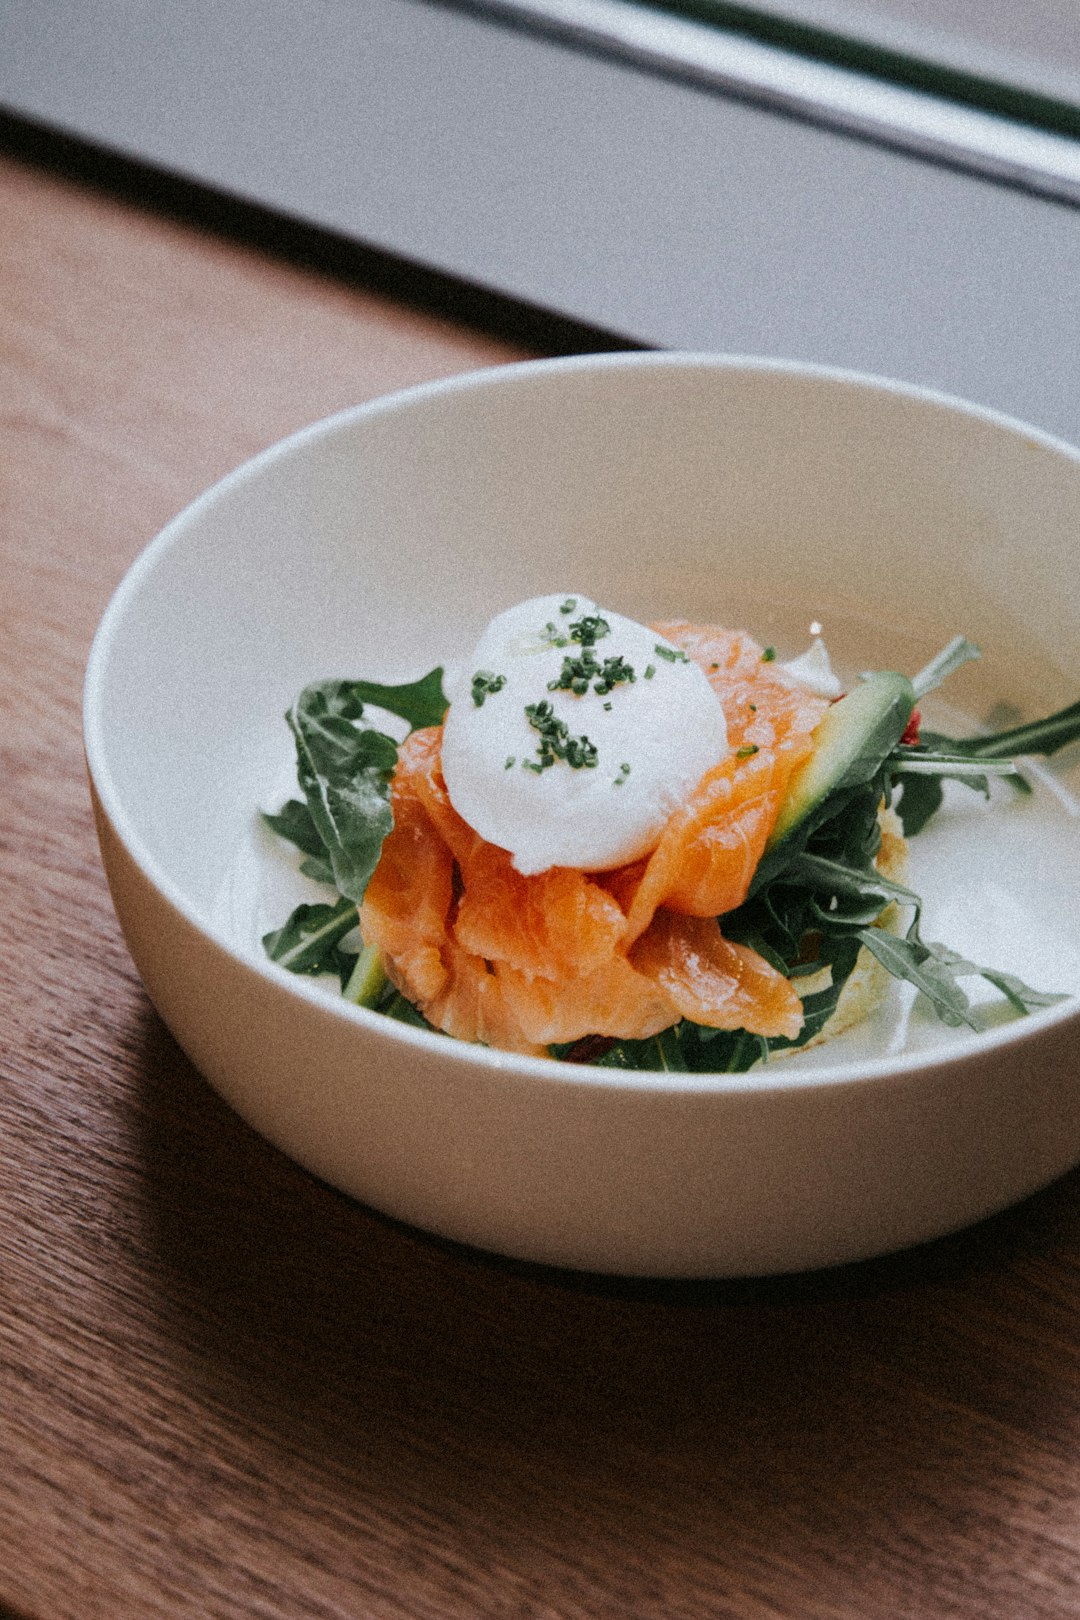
(1019, 59)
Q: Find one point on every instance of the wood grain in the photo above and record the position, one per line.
(226, 1391)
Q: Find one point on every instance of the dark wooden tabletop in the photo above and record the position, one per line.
(227, 1391)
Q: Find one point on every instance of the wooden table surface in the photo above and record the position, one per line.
(227, 1391)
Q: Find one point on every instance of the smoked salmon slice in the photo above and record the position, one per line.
(410, 905)
(535, 924)
(524, 963)
(409, 897)
(709, 851)
(615, 999)
(715, 982)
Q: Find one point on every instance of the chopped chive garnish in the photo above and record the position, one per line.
(673, 655)
(624, 772)
(615, 671)
(510, 760)
(747, 752)
(569, 605)
(555, 740)
(589, 630)
(650, 671)
(577, 673)
(484, 683)
(768, 655)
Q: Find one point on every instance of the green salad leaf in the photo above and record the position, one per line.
(344, 771)
(421, 703)
(959, 651)
(309, 942)
(920, 771)
(344, 765)
(295, 823)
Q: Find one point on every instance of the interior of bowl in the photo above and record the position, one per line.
(379, 544)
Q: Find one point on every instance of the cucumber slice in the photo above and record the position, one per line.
(852, 739)
(367, 981)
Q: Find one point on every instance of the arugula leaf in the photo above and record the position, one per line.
(319, 870)
(344, 772)
(344, 767)
(961, 767)
(422, 703)
(959, 651)
(721, 1051)
(920, 798)
(923, 967)
(845, 824)
(293, 822)
(1020, 995)
(308, 942)
(937, 757)
(840, 954)
(1045, 736)
(935, 969)
(403, 1010)
(920, 775)
(919, 771)
(665, 1051)
(841, 881)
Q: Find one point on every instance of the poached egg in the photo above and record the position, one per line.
(573, 733)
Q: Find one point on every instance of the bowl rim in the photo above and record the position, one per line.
(970, 1048)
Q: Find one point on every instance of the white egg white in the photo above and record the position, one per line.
(653, 737)
(812, 670)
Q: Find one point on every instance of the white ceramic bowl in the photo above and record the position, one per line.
(750, 493)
